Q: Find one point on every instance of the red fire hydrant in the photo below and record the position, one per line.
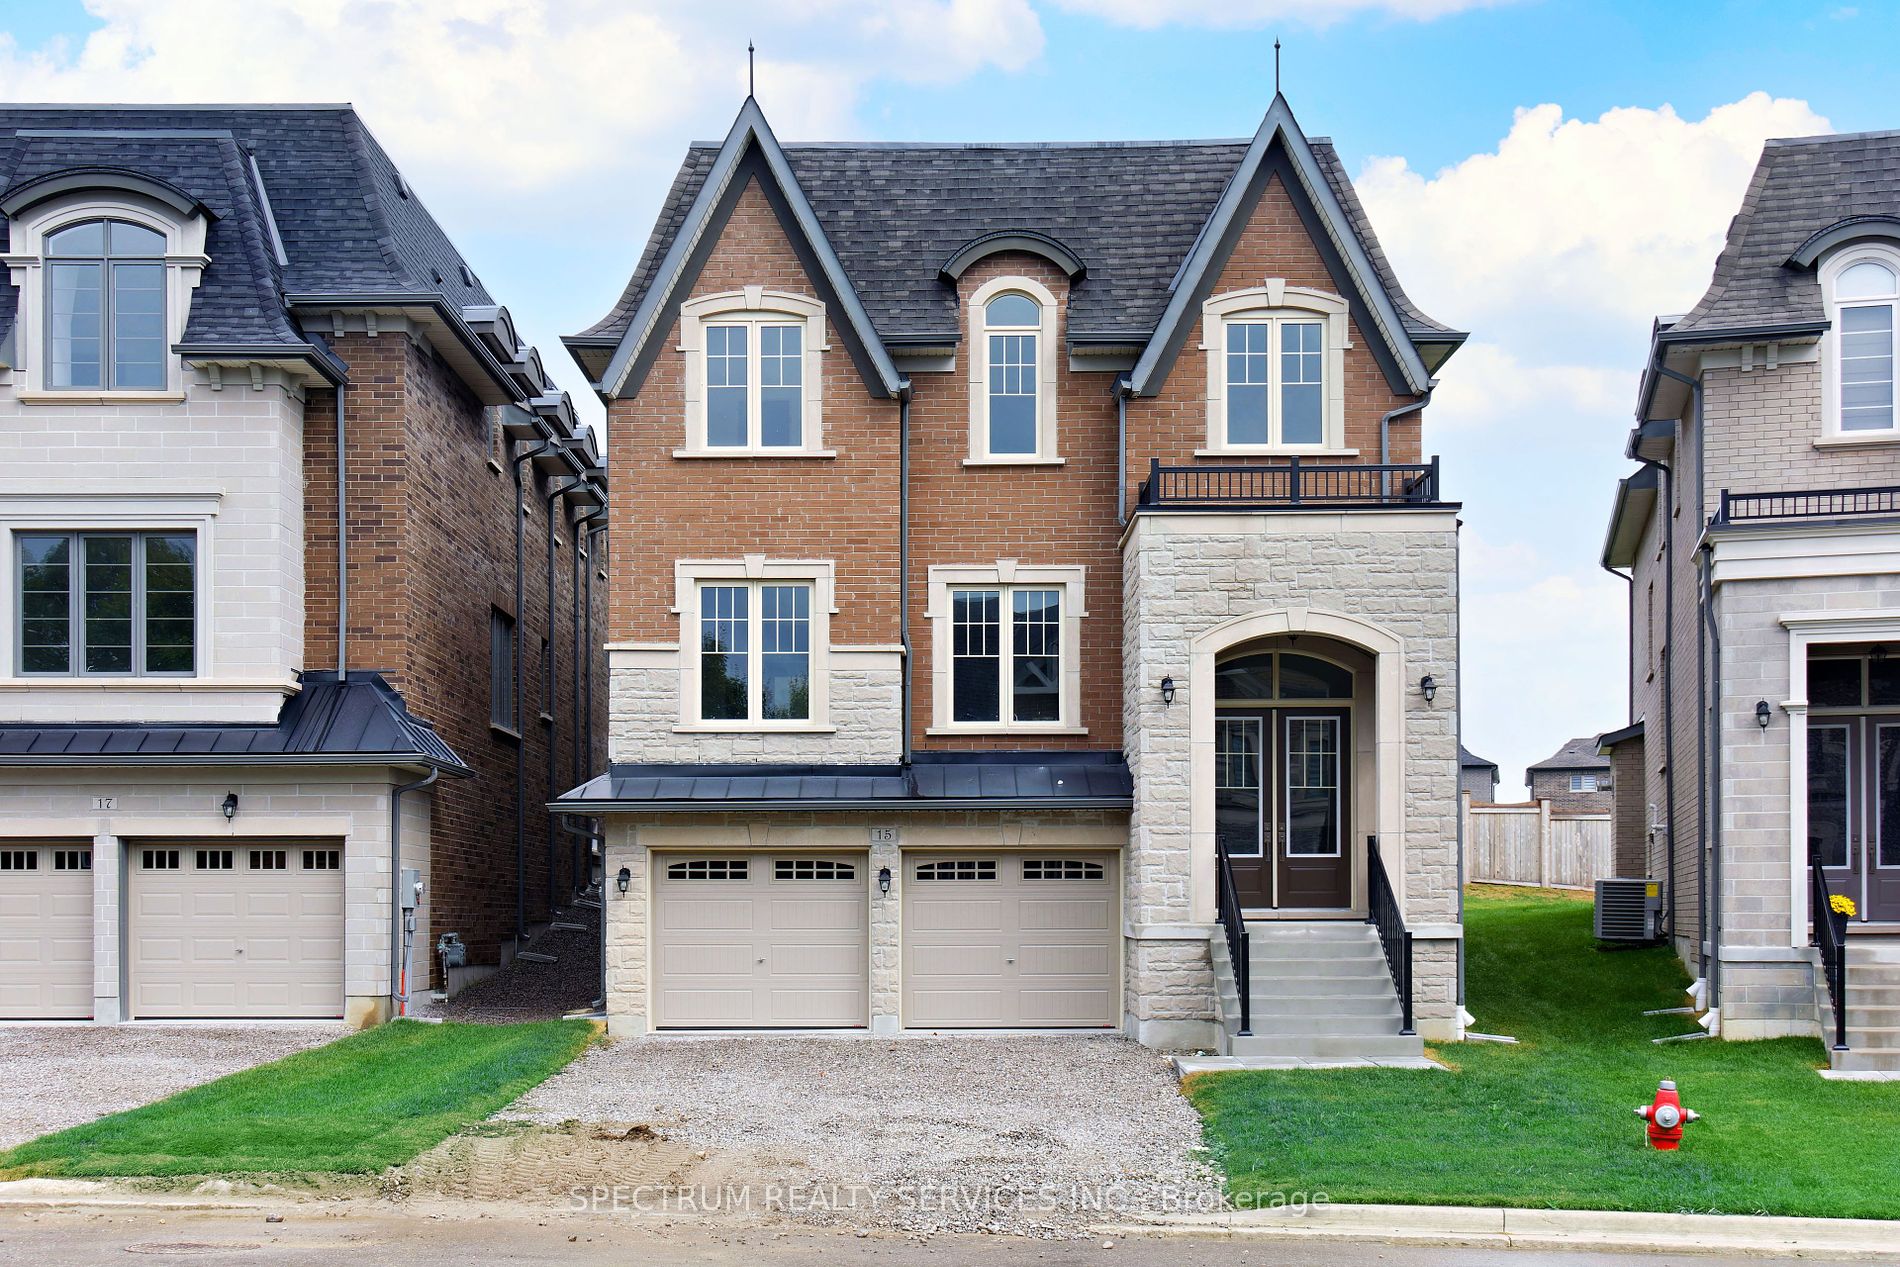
(1666, 1116)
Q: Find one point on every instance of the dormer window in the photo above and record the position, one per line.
(1013, 373)
(105, 307)
(1866, 296)
(1276, 371)
(754, 374)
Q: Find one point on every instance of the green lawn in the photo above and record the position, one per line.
(1547, 1123)
(371, 1100)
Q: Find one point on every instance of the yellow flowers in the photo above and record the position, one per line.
(1841, 904)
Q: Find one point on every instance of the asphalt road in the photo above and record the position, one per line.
(72, 1238)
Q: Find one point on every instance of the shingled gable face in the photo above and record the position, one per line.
(1062, 388)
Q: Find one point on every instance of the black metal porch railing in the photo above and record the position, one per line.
(1330, 485)
(1831, 944)
(1235, 924)
(1821, 503)
(1382, 912)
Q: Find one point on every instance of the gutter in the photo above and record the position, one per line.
(318, 358)
(449, 315)
(190, 760)
(895, 804)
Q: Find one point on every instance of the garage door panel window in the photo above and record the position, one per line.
(707, 869)
(267, 860)
(755, 645)
(1061, 869)
(72, 860)
(109, 604)
(212, 859)
(158, 859)
(19, 860)
(322, 860)
(958, 869)
(812, 869)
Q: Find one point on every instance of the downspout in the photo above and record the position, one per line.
(1706, 902)
(903, 560)
(398, 993)
(594, 538)
(521, 751)
(1387, 418)
(342, 545)
(548, 700)
(580, 870)
(1123, 390)
(1458, 680)
(1667, 504)
(1714, 630)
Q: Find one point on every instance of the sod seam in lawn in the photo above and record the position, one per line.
(1548, 1122)
(358, 1105)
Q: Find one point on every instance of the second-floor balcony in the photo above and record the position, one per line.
(1293, 484)
(1808, 504)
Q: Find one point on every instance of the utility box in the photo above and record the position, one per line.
(1629, 910)
(409, 889)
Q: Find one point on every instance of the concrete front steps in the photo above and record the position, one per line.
(1321, 995)
(1873, 1008)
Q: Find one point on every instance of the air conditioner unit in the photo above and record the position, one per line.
(1629, 910)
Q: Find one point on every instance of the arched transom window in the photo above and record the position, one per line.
(105, 306)
(1012, 372)
(1866, 294)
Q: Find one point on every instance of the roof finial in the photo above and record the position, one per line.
(751, 76)
(1276, 65)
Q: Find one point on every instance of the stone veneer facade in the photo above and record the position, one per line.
(1384, 581)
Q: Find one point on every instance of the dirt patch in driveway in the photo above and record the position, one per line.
(82, 1072)
(1036, 1135)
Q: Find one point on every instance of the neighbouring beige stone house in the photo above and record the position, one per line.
(1761, 536)
(1044, 613)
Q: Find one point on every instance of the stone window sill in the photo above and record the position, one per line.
(754, 453)
(1006, 731)
(753, 728)
(1274, 451)
(1856, 442)
(43, 397)
(1027, 460)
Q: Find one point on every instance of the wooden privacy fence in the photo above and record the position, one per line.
(1527, 844)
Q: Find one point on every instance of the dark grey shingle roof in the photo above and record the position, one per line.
(934, 779)
(337, 199)
(895, 213)
(1800, 186)
(327, 721)
(1469, 760)
(1577, 754)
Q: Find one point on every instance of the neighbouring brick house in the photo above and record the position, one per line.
(1477, 778)
(220, 734)
(1761, 535)
(1575, 779)
(1036, 541)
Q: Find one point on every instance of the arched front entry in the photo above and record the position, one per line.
(1297, 743)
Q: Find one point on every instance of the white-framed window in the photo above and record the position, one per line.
(1862, 346)
(754, 643)
(1276, 370)
(1007, 640)
(754, 375)
(1583, 783)
(106, 603)
(105, 281)
(1013, 351)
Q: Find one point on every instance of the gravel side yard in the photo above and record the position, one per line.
(69, 1074)
(1017, 1134)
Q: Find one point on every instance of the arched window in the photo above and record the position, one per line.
(1866, 294)
(1012, 372)
(105, 306)
(1012, 325)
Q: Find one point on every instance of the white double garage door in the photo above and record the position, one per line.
(226, 929)
(985, 940)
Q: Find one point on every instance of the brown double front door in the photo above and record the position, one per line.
(1854, 809)
(1282, 783)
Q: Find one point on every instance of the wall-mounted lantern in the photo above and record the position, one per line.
(1428, 687)
(1763, 714)
(1167, 692)
(624, 880)
(230, 806)
(883, 879)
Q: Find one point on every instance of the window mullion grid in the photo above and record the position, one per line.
(754, 392)
(755, 654)
(1276, 377)
(1006, 658)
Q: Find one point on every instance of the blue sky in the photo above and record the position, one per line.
(1547, 175)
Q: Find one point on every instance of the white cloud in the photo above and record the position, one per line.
(1489, 385)
(1232, 14)
(1570, 222)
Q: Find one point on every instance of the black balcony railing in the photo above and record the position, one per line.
(1821, 503)
(1292, 483)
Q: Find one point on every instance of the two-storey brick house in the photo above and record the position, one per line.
(1762, 539)
(1575, 779)
(1036, 544)
(225, 724)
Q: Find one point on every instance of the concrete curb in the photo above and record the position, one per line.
(1619, 1230)
(86, 1194)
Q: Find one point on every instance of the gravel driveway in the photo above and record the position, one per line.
(63, 1075)
(1008, 1134)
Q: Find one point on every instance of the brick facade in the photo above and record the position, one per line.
(431, 554)
(1554, 786)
